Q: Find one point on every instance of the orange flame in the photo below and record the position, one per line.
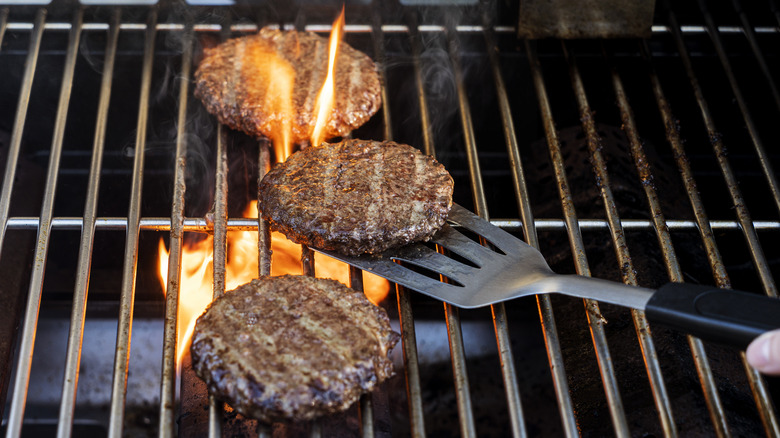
(197, 275)
(277, 78)
(326, 98)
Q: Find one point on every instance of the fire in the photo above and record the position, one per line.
(327, 94)
(197, 275)
(277, 78)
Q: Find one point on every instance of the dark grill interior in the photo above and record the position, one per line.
(586, 375)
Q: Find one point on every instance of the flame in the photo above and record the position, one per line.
(326, 97)
(277, 78)
(197, 275)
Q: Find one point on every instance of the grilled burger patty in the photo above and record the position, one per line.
(357, 196)
(292, 347)
(240, 81)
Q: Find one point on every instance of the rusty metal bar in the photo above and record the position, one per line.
(19, 121)
(720, 152)
(717, 142)
(405, 315)
(500, 323)
(366, 409)
(263, 236)
(29, 327)
(75, 335)
(758, 145)
(308, 267)
(263, 241)
(543, 301)
(596, 323)
(709, 387)
(127, 297)
(750, 35)
(457, 352)
(216, 407)
(379, 54)
(422, 100)
(168, 374)
(264, 228)
(757, 384)
(660, 395)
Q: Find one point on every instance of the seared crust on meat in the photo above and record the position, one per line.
(233, 81)
(292, 347)
(357, 196)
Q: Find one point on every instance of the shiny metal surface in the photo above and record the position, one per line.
(18, 399)
(130, 265)
(606, 368)
(70, 381)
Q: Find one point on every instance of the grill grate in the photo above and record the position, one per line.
(520, 124)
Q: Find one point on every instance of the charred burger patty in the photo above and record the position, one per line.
(292, 347)
(357, 196)
(247, 82)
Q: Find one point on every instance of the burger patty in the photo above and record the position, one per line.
(242, 82)
(292, 347)
(357, 196)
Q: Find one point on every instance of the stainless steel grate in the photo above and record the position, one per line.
(526, 128)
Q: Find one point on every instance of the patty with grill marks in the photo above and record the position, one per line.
(357, 196)
(241, 82)
(292, 347)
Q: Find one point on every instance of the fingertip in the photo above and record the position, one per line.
(764, 353)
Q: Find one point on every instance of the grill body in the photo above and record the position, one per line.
(642, 161)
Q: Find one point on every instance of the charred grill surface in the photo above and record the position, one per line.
(240, 82)
(357, 196)
(292, 347)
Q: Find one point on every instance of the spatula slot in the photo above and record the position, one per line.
(418, 269)
(453, 255)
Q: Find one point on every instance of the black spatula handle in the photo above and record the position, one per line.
(720, 315)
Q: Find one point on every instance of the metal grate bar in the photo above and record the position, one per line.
(238, 224)
(379, 53)
(366, 407)
(457, 353)
(596, 322)
(168, 373)
(760, 392)
(500, 323)
(706, 231)
(657, 385)
(263, 240)
(717, 142)
(405, 314)
(750, 34)
(216, 407)
(776, 10)
(29, 328)
(712, 398)
(130, 265)
(75, 337)
(19, 121)
(349, 28)
(3, 23)
(757, 143)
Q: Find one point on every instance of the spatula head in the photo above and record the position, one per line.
(475, 274)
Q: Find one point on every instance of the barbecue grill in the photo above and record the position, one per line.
(641, 161)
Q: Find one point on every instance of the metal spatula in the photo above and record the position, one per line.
(514, 269)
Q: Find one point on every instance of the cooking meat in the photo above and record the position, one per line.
(357, 196)
(292, 347)
(239, 82)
